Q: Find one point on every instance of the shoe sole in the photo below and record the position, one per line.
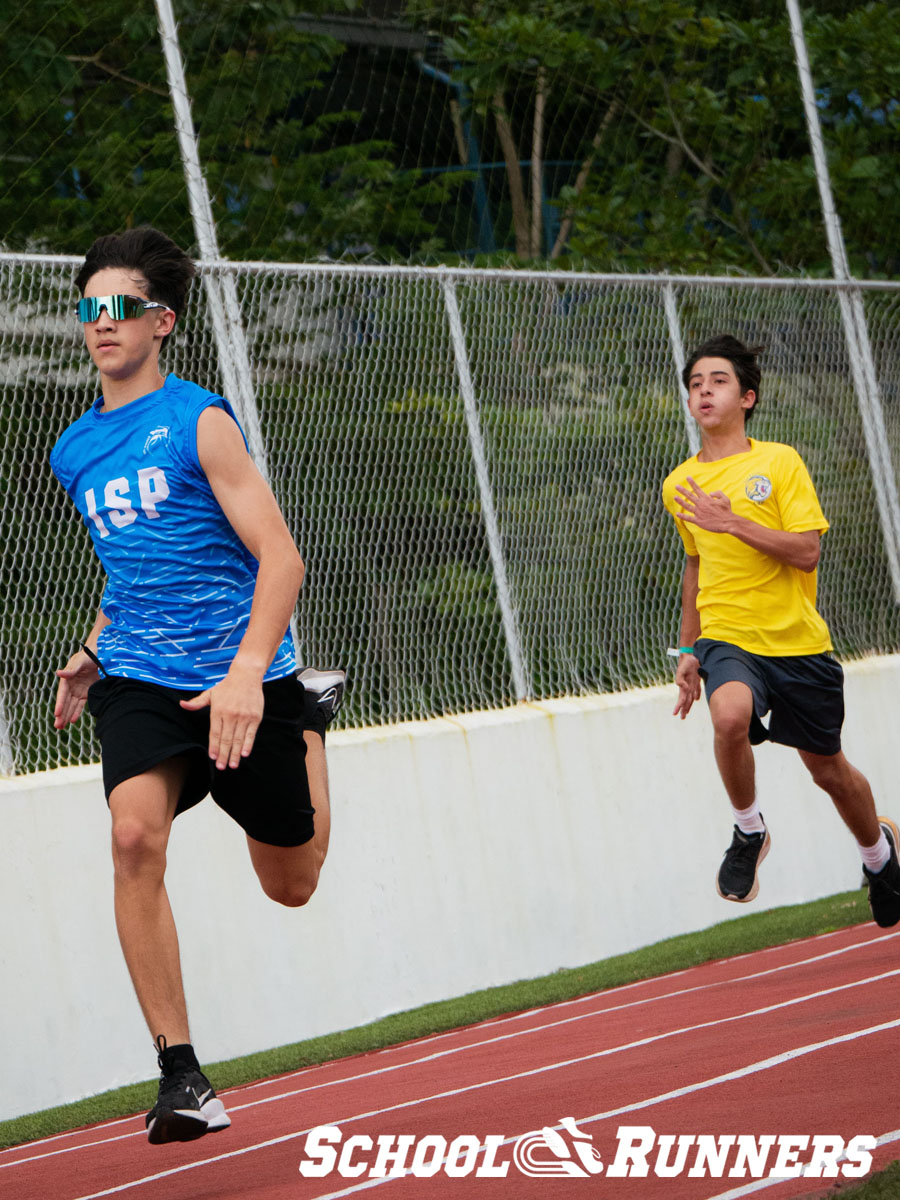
(217, 1118)
(186, 1125)
(754, 890)
(890, 828)
(174, 1125)
(320, 681)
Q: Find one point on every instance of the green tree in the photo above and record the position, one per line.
(535, 71)
(87, 140)
(725, 175)
(683, 127)
(660, 134)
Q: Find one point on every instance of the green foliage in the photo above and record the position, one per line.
(687, 120)
(725, 177)
(87, 142)
(665, 134)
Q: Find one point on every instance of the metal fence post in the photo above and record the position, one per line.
(677, 345)
(853, 315)
(492, 527)
(224, 306)
(7, 762)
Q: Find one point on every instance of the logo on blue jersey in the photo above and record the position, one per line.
(156, 438)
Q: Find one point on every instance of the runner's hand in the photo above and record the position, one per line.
(687, 677)
(71, 694)
(710, 510)
(235, 711)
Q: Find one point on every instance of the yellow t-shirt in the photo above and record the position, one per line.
(747, 597)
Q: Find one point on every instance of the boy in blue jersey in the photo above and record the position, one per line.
(189, 669)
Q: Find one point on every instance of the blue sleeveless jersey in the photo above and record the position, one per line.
(179, 580)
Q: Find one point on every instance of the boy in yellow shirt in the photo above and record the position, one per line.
(751, 523)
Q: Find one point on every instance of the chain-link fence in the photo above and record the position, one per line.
(478, 506)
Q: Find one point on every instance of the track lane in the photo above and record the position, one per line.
(595, 1036)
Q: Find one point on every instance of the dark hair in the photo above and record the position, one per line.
(742, 358)
(165, 266)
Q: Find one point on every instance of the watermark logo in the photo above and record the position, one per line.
(565, 1150)
(573, 1157)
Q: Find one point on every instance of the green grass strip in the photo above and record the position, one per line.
(739, 936)
(883, 1186)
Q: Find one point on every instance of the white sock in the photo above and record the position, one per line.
(749, 820)
(875, 857)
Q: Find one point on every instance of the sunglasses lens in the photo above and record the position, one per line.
(87, 310)
(119, 307)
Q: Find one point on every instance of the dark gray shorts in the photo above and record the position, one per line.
(803, 692)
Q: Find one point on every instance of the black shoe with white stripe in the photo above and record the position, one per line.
(186, 1107)
(737, 878)
(884, 885)
(324, 691)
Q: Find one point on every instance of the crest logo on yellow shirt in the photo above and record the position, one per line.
(759, 488)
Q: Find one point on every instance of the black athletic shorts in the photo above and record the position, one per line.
(803, 692)
(140, 725)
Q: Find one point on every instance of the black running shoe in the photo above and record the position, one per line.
(737, 878)
(884, 885)
(324, 691)
(186, 1107)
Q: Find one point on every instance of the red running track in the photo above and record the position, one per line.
(798, 1041)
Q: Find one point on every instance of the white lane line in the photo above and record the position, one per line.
(68, 1133)
(609, 1051)
(562, 1004)
(625, 987)
(729, 1077)
(765, 1064)
(106, 1141)
(509, 1020)
(760, 1185)
(645, 1041)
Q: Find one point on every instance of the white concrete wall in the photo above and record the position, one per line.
(466, 852)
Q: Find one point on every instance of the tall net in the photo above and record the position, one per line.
(367, 451)
(883, 320)
(47, 570)
(660, 135)
(578, 394)
(369, 447)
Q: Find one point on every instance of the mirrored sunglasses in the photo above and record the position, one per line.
(120, 308)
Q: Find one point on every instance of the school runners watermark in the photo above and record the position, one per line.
(565, 1150)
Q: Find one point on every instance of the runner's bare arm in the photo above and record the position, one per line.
(712, 511)
(76, 677)
(236, 704)
(687, 675)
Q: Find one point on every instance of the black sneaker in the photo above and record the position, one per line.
(884, 885)
(737, 878)
(324, 691)
(186, 1107)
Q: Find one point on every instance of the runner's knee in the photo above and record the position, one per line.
(137, 847)
(731, 724)
(292, 893)
(829, 773)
